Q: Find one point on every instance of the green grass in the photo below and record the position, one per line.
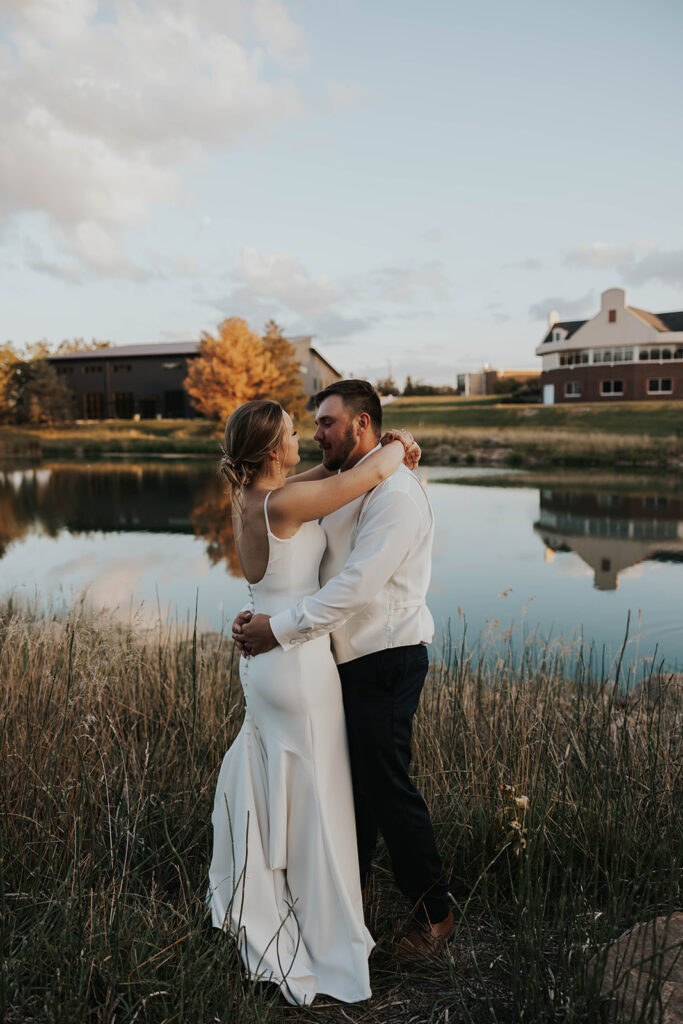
(450, 429)
(657, 419)
(111, 739)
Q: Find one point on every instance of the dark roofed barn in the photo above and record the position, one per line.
(146, 381)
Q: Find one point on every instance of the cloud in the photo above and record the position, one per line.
(279, 285)
(569, 309)
(343, 96)
(598, 254)
(528, 264)
(282, 278)
(68, 272)
(337, 328)
(635, 263)
(432, 235)
(404, 284)
(284, 39)
(105, 107)
(662, 265)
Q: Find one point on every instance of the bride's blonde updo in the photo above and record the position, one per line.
(252, 431)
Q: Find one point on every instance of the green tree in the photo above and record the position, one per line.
(290, 392)
(387, 386)
(35, 394)
(8, 357)
(506, 385)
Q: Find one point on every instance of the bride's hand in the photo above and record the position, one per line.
(411, 448)
(237, 637)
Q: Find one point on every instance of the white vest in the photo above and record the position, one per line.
(374, 575)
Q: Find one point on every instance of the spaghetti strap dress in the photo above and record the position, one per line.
(284, 876)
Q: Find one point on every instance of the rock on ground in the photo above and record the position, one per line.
(645, 966)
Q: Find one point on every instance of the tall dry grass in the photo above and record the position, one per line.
(110, 745)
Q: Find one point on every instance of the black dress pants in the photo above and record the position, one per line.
(381, 694)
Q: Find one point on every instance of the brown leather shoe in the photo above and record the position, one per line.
(425, 939)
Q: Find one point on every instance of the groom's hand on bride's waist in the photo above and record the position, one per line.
(252, 634)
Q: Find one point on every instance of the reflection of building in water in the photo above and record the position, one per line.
(120, 499)
(611, 532)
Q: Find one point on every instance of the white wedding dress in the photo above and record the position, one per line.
(284, 875)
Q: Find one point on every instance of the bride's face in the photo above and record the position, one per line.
(290, 444)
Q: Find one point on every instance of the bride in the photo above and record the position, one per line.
(284, 875)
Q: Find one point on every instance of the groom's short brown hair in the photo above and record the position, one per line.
(358, 396)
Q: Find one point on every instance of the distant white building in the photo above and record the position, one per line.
(622, 353)
(316, 372)
(483, 382)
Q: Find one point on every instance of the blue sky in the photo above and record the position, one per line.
(415, 184)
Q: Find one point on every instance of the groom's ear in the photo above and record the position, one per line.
(363, 421)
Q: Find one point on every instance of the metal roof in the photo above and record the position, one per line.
(160, 349)
(570, 326)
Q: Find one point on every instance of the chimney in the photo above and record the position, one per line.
(553, 318)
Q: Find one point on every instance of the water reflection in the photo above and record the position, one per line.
(119, 498)
(158, 537)
(611, 532)
(211, 519)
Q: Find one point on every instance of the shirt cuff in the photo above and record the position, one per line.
(284, 629)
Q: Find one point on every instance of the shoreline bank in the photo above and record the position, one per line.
(456, 449)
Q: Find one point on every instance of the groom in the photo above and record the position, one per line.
(375, 574)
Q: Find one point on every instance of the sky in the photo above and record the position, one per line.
(415, 184)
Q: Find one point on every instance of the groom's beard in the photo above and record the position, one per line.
(335, 457)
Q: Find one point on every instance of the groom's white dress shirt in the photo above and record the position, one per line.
(374, 575)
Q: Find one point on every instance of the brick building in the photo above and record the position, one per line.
(622, 353)
(147, 380)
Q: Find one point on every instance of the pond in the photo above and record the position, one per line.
(518, 558)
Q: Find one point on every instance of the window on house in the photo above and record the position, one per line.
(612, 316)
(612, 387)
(618, 355)
(660, 386)
(92, 369)
(557, 336)
(172, 366)
(124, 404)
(572, 389)
(174, 404)
(122, 367)
(574, 358)
(666, 353)
(654, 353)
(678, 353)
(628, 355)
(643, 355)
(94, 405)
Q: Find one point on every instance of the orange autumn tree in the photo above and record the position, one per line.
(231, 368)
(291, 392)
